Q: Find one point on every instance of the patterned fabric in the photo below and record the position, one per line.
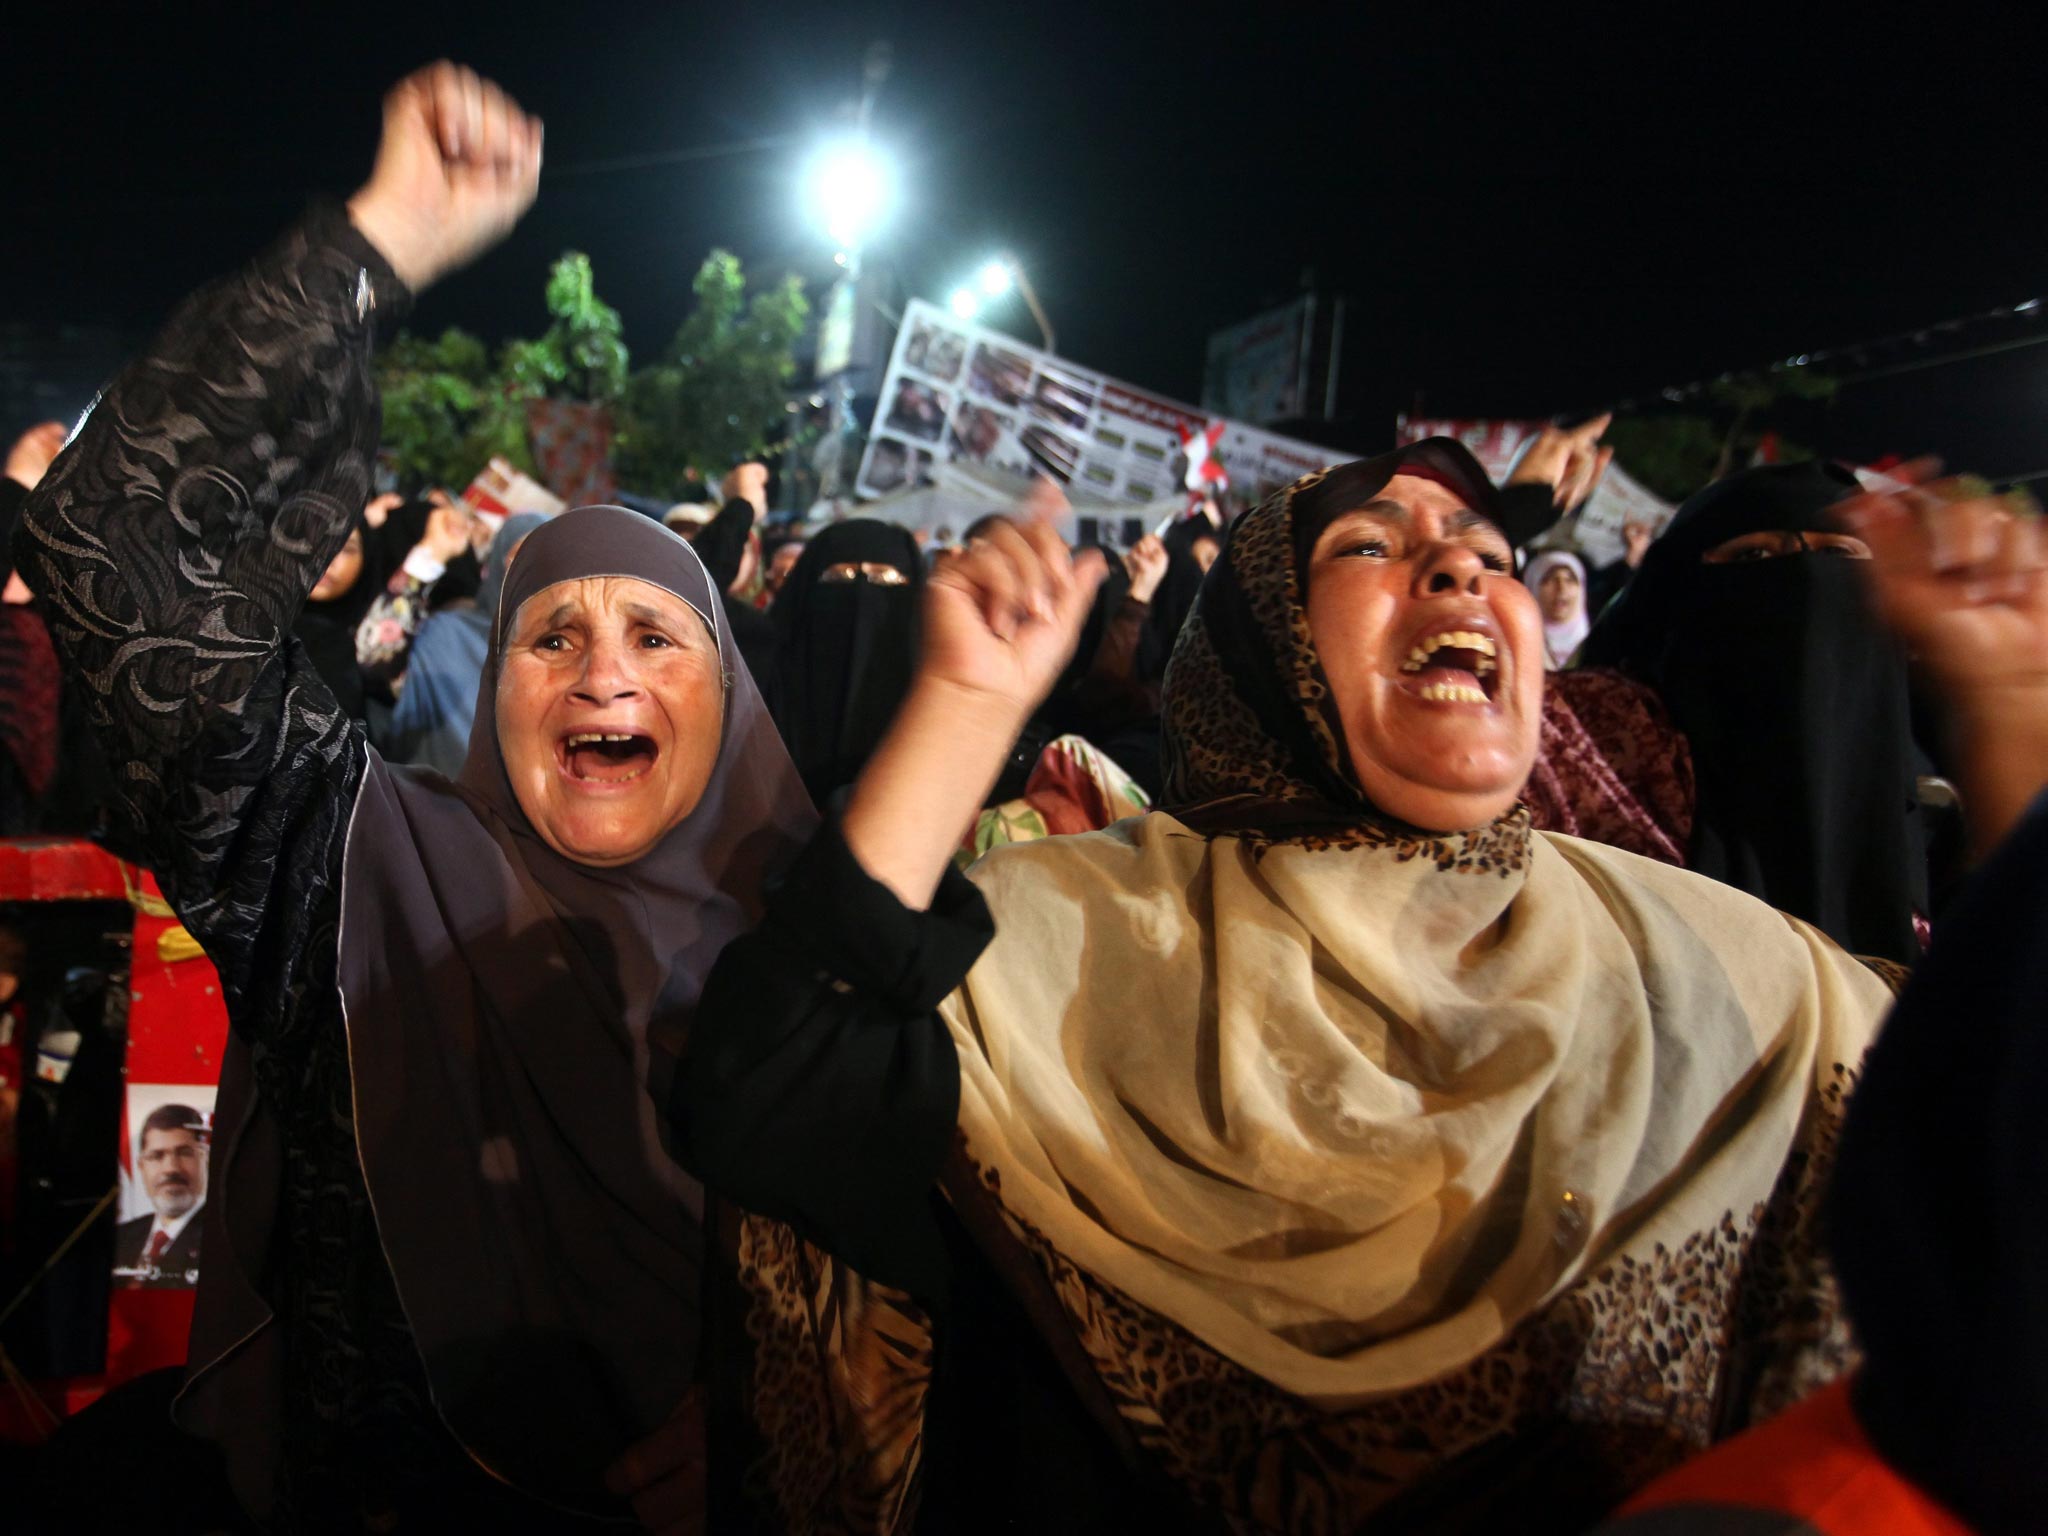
(1626, 1369)
(1072, 788)
(384, 638)
(174, 542)
(833, 1396)
(1611, 767)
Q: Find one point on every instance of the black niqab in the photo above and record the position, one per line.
(1794, 700)
(845, 651)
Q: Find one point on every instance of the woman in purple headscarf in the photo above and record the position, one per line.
(450, 1272)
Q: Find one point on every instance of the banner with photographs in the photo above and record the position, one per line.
(1596, 530)
(957, 392)
(165, 1146)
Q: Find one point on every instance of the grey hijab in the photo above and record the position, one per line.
(507, 1011)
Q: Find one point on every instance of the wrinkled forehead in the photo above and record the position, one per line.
(608, 599)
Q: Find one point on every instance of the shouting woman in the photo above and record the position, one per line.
(1327, 1148)
(451, 1274)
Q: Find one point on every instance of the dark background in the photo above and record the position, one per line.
(1529, 213)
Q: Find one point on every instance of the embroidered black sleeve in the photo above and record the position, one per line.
(174, 541)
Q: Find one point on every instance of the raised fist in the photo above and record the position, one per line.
(448, 532)
(748, 483)
(1002, 616)
(457, 166)
(1146, 562)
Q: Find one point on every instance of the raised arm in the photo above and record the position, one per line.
(177, 536)
(818, 1084)
(1964, 582)
(1000, 621)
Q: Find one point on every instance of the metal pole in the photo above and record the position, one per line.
(1031, 302)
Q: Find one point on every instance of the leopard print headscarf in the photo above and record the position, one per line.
(1246, 711)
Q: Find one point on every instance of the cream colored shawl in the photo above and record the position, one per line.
(1348, 1114)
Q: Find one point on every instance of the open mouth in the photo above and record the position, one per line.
(1453, 666)
(606, 757)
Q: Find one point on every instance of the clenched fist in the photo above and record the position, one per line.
(457, 166)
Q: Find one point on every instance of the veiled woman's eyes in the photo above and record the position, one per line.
(1371, 549)
(1752, 553)
(1494, 561)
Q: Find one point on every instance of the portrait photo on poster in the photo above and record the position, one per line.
(893, 465)
(918, 410)
(935, 350)
(166, 1148)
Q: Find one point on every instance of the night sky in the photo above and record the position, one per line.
(1527, 216)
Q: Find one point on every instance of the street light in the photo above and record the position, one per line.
(848, 186)
(995, 280)
(997, 277)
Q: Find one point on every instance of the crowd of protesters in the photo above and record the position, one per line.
(1344, 1016)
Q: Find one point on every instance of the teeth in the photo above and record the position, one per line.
(1453, 693)
(1453, 640)
(585, 738)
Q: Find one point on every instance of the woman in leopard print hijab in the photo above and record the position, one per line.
(1335, 1131)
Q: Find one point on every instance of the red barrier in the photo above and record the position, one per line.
(177, 1029)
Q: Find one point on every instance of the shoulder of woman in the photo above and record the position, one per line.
(1125, 852)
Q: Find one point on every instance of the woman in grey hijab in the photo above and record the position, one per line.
(450, 1274)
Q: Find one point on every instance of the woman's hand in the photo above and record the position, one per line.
(1569, 460)
(457, 166)
(1147, 564)
(749, 483)
(1000, 620)
(1964, 583)
(448, 532)
(1001, 617)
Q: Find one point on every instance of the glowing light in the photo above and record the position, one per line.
(964, 303)
(994, 279)
(848, 188)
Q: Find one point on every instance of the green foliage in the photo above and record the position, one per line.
(447, 411)
(716, 398)
(1675, 453)
(582, 355)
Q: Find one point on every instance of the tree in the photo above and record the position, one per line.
(447, 411)
(1674, 453)
(582, 355)
(717, 397)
